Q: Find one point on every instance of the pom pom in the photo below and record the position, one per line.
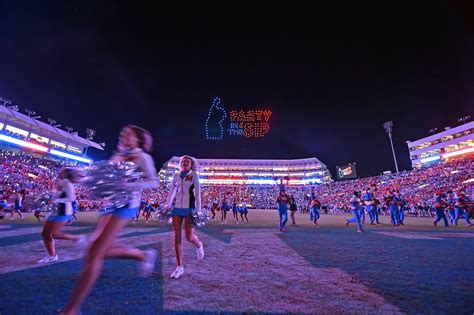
(112, 182)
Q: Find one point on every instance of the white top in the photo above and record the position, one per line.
(145, 163)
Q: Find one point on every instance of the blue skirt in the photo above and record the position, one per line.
(182, 212)
(59, 218)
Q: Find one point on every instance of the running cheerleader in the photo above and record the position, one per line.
(63, 199)
(185, 192)
(134, 145)
(355, 209)
(19, 197)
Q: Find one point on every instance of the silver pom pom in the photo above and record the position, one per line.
(112, 181)
(199, 218)
(165, 214)
(43, 202)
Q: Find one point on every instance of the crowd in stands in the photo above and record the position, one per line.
(37, 175)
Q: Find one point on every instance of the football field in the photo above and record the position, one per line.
(253, 267)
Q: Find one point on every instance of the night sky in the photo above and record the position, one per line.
(331, 75)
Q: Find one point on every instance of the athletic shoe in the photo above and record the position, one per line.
(200, 252)
(178, 272)
(470, 224)
(148, 264)
(48, 259)
(360, 231)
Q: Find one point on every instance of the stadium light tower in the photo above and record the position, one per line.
(90, 134)
(464, 119)
(14, 107)
(52, 122)
(32, 112)
(69, 129)
(5, 101)
(388, 128)
(433, 131)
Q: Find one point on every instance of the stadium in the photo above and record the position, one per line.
(20, 131)
(254, 172)
(289, 197)
(255, 183)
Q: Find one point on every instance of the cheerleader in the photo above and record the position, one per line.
(214, 208)
(450, 202)
(355, 209)
(18, 206)
(293, 209)
(63, 198)
(243, 213)
(306, 202)
(134, 145)
(224, 208)
(185, 191)
(235, 212)
(38, 215)
(283, 200)
(3, 203)
(375, 210)
(147, 212)
(461, 208)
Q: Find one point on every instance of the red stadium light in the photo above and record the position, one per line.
(459, 152)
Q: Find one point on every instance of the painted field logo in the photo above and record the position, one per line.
(246, 123)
